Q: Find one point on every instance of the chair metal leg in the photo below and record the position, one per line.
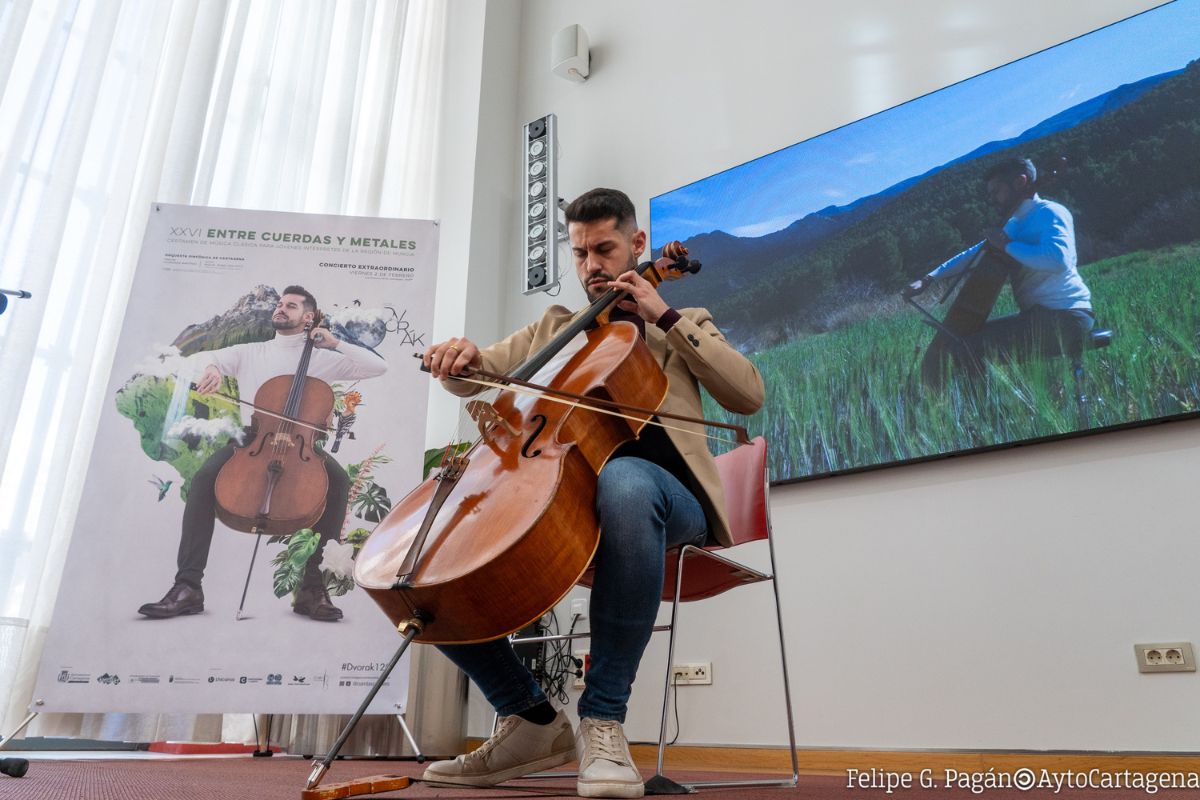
(787, 688)
(660, 784)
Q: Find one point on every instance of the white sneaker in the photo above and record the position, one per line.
(518, 747)
(605, 765)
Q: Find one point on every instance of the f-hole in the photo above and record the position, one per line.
(541, 421)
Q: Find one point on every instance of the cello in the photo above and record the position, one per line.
(276, 482)
(985, 276)
(514, 516)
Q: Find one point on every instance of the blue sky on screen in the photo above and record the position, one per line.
(867, 156)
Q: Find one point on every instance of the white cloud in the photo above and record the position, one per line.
(165, 361)
(764, 227)
(208, 429)
(345, 316)
(1071, 93)
(686, 198)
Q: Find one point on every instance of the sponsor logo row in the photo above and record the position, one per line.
(271, 679)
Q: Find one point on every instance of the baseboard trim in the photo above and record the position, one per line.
(838, 762)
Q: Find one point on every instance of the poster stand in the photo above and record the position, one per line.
(262, 744)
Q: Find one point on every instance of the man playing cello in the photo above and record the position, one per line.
(1055, 305)
(253, 364)
(656, 492)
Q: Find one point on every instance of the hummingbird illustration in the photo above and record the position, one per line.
(163, 486)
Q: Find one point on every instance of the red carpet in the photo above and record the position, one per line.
(282, 778)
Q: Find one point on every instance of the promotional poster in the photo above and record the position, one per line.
(240, 462)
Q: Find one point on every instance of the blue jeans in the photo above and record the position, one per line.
(643, 511)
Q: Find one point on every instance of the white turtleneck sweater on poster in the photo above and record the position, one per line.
(255, 363)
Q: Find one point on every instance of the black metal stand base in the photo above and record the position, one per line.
(15, 767)
(661, 784)
(411, 628)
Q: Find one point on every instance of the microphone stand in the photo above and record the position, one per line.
(15, 767)
(4, 293)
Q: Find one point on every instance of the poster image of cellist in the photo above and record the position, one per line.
(1012, 258)
(260, 417)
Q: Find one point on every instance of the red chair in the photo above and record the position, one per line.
(700, 572)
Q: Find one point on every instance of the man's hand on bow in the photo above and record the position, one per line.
(452, 357)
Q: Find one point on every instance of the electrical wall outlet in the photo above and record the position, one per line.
(693, 674)
(579, 608)
(583, 664)
(1165, 657)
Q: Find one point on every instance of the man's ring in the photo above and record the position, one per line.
(455, 349)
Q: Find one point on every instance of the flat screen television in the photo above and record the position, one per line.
(808, 251)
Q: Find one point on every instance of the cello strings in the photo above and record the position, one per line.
(578, 404)
(459, 436)
(261, 410)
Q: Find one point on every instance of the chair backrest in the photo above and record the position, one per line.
(743, 473)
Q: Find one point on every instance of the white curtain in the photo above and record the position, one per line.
(110, 105)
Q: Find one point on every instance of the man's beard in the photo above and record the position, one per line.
(600, 290)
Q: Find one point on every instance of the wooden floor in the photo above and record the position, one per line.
(149, 777)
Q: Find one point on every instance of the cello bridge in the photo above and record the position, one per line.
(488, 418)
(282, 440)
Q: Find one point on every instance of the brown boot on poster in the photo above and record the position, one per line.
(183, 598)
(313, 601)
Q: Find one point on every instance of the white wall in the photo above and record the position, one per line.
(987, 601)
(475, 182)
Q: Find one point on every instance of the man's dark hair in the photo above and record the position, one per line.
(1010, 168)
(603, 204)
(310, 302)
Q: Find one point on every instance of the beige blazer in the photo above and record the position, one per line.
(692, 354)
